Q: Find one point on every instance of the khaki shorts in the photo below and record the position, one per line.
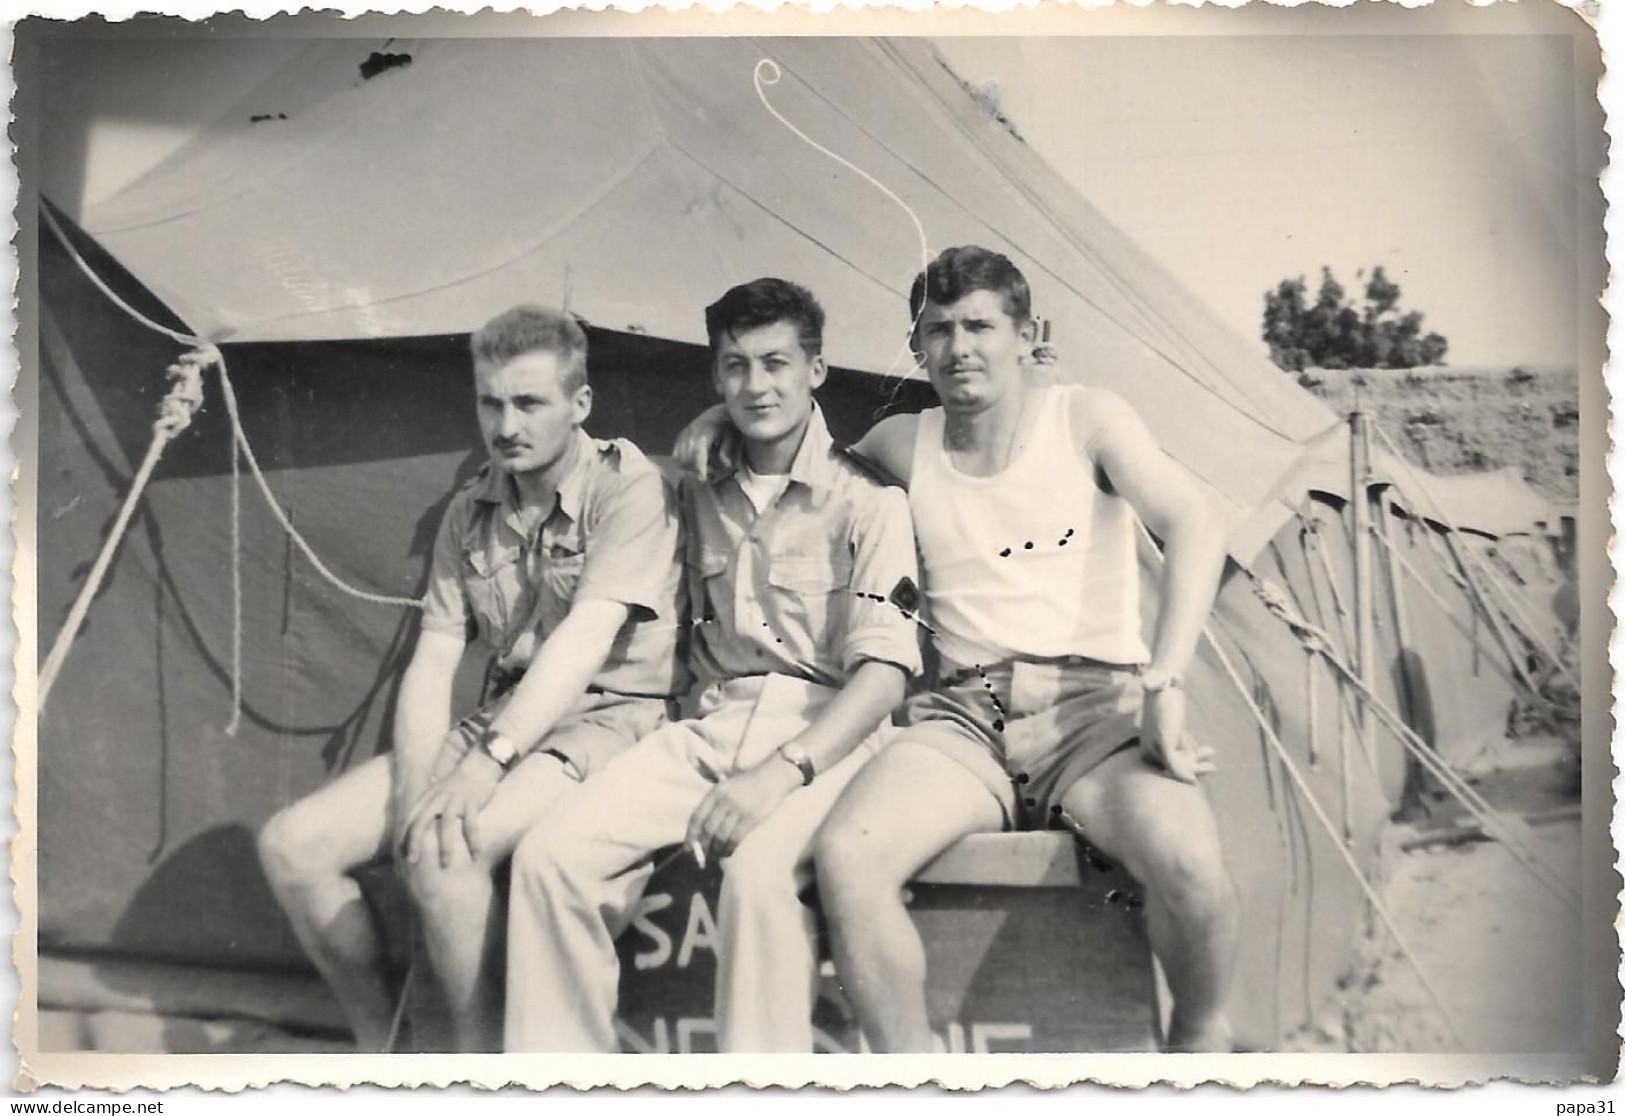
(1028, 731)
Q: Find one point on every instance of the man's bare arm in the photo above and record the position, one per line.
(890, 445)
(867, 699)
(737, 805)
(561, 670)
(554, 681)
(1172, 507)
(423, 708)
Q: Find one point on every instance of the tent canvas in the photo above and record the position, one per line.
(302, 245)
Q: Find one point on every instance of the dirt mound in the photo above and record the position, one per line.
(1460, 420)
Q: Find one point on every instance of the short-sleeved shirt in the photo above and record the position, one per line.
(614, 533)
(821, 580)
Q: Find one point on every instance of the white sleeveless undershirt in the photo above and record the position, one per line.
(1035, 562)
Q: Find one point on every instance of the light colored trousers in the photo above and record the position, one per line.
(578, 877)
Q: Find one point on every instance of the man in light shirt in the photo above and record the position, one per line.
(560, 562)
(802, 580)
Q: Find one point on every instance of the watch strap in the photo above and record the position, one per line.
(800, 761)
(1155, 680)
(500, 748)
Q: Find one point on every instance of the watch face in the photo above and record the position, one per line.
(501, 749)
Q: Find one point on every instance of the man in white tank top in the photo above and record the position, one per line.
(1050, 709)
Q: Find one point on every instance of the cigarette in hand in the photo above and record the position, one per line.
(699, 853)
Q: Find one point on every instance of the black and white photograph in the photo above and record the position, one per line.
(937, 538)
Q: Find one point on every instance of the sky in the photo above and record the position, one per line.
(1239, 161)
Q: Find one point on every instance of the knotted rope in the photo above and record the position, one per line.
(174, 415)
(203, 355)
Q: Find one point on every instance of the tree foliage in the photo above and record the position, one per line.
(1335, 331)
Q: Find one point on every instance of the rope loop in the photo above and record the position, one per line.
(767, 72)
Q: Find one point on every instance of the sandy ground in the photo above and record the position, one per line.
(1500, 951)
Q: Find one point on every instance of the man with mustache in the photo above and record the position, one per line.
(562, 561)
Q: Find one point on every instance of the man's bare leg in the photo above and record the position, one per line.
(903, 809)
(1163, 831)
(308, 851)
(462, 915)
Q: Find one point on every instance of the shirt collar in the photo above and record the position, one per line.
(813, 465)
(573, 488)
(498, 486)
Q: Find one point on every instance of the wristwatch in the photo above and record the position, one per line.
(500, 748)
(1154, 680)
(798, 759)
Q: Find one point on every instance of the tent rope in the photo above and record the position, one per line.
(1493, 821)
(1523, 623)
(768, 72)
(236, 592)
(1465, 559)
(282, 516)
(1325, 646)
(1341, 846)
(1312, 528)
(1492, 657)
(174, 416)
(204, 354)
(1321, 816)
(218, 359)
(188, 339)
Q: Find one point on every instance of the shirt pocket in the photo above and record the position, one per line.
(561, 573)
(808, 593)
(493, 579)
(706, 568)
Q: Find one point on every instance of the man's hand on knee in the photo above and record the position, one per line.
(448, 814)
(1164, 742)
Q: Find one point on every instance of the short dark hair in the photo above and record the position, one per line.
(535, 329)
(956, 272)
(763, 302)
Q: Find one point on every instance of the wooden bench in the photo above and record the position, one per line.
(1029, 947)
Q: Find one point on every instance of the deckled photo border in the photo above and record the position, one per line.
(106, 1071)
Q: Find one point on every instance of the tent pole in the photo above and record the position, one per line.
(1360, 501)
(1410, 794)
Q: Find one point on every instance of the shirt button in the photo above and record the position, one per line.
(1031, 802)
(1023, 778)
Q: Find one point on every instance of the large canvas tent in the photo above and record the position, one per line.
(338, 234)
